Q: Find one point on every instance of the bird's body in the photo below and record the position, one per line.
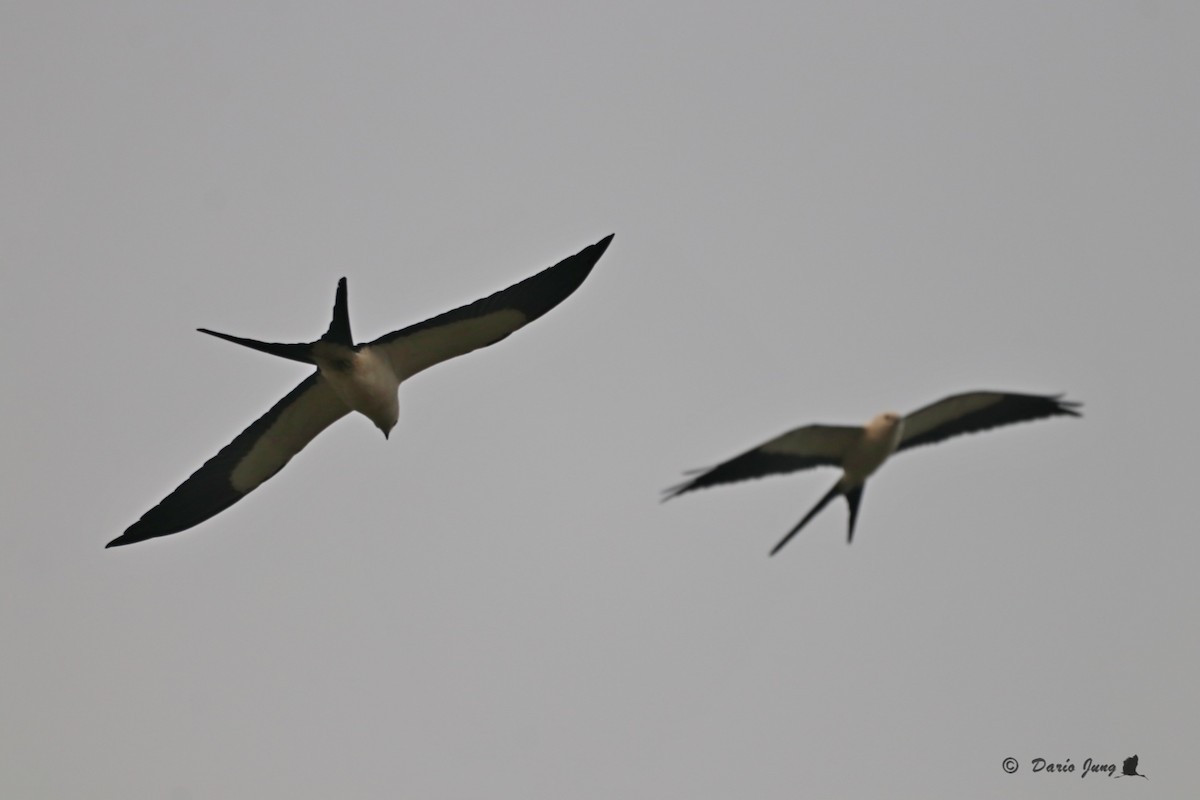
(349, 377)
(364, 380)
(874, 445)
(861, 451)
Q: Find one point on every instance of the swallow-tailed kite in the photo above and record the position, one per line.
(350, 377)
(859, 451)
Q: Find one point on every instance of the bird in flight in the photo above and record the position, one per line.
(351, 377)
(859, 451)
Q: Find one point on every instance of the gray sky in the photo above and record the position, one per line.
(821, 213)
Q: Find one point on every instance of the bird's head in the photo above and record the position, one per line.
(386, 421)
(888, 419)
(383, 412)
(888, 425)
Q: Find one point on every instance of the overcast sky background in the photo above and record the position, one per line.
(821, 213)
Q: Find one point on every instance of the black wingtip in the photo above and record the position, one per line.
(536, 295)
(692, 484)
(1067, 407)
(676, 490)
(122, 540)
(138, 532)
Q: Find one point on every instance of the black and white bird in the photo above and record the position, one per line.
(859, 451)
(352, 377)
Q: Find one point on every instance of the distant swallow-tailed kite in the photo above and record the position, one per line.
(350, 377)
(859, 451)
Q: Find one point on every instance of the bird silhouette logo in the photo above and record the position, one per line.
(1129, 768)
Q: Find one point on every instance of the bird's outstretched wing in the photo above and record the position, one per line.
(489, 320)
(978, 411)
(254, 456)
(800, 448)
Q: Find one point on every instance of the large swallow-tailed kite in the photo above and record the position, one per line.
(859, 451)
(350, 377)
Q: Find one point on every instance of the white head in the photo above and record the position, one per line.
(879, 440)
(385, 417)
(888, 425)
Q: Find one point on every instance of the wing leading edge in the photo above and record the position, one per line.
(800, 448)
(250, 459)
(972, 412)
(488, 320)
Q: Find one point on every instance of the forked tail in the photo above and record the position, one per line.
(824, 501)
(338, 333)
